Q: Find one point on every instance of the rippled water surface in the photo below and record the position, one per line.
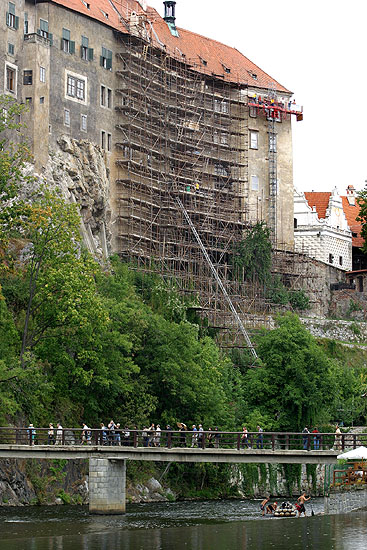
(181, 526)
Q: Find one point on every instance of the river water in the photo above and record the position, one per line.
(221, 525)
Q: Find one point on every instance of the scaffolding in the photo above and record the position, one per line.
(182, 135)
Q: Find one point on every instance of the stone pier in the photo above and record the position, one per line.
(107, 486)
(348, 500)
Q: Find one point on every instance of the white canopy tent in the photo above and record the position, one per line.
(360, 453)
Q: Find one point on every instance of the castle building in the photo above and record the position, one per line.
(187, 126)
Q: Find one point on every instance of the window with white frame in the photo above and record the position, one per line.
(10, 78)
(83, 123)
(66, 117)
(254, 183)
(76, 87)
(42, 74)
(254, 139)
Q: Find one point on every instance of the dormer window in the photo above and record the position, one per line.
(204, 61)
(253, 75)
(104, 14)
(226, 69)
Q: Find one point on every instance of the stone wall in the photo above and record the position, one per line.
(346, 501)
(333, 329)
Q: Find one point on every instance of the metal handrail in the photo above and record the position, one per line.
(267, 441)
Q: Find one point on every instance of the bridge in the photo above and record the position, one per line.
(108, 451)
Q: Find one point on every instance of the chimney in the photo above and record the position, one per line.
(351, 195)
(169, 11)
(170, 16)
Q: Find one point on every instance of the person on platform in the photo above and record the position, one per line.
(301, 504)
(263, 505)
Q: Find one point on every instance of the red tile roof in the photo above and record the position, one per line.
(321, 201)
(351, 212)
(195, 47)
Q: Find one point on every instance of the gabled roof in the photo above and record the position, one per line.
(206, 55)
(351, 212)
(321, 201)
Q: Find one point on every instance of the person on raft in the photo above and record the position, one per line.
(263, 505)
(301, 504)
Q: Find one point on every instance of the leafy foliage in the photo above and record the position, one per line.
(252, 255)
(296, 385)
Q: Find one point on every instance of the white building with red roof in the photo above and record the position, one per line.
(325, 227)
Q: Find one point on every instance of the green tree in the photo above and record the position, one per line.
(362, 215)
(13, 156)
(296, 386)
(252, 255)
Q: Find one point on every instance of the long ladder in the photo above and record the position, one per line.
(217, 278)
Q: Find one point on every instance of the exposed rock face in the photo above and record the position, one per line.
(78, 169)
(15, 488)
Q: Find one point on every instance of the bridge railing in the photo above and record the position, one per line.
(212, 439)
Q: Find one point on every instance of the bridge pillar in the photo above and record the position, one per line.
(107, 486)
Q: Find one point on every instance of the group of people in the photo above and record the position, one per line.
(245, 442)
(267, 508)
(316, 438)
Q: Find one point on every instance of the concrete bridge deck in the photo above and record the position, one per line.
(163, 454)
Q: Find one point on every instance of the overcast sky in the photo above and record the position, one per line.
(317, 49)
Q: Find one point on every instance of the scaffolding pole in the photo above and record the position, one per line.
(218, 279)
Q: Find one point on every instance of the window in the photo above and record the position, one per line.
(253, 112)
(86, 52)
(42, 100)
(254, 140)
(221, 106)
(106, 97)
(109, 142)
(75, 87)
(27, 78)
(28, 100)
(331, 258)
(106, 59)
(103, 139)
(83, 123)
(340, 260)
(12, 20)
(254, 183)
(43, 30)
(10, 49)
(67, 45)
(272, 143)
(103, 95)
(220, 170)
(66, 117)
(25, 23)
(295, 223)
(42, 74)
(11, 79)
